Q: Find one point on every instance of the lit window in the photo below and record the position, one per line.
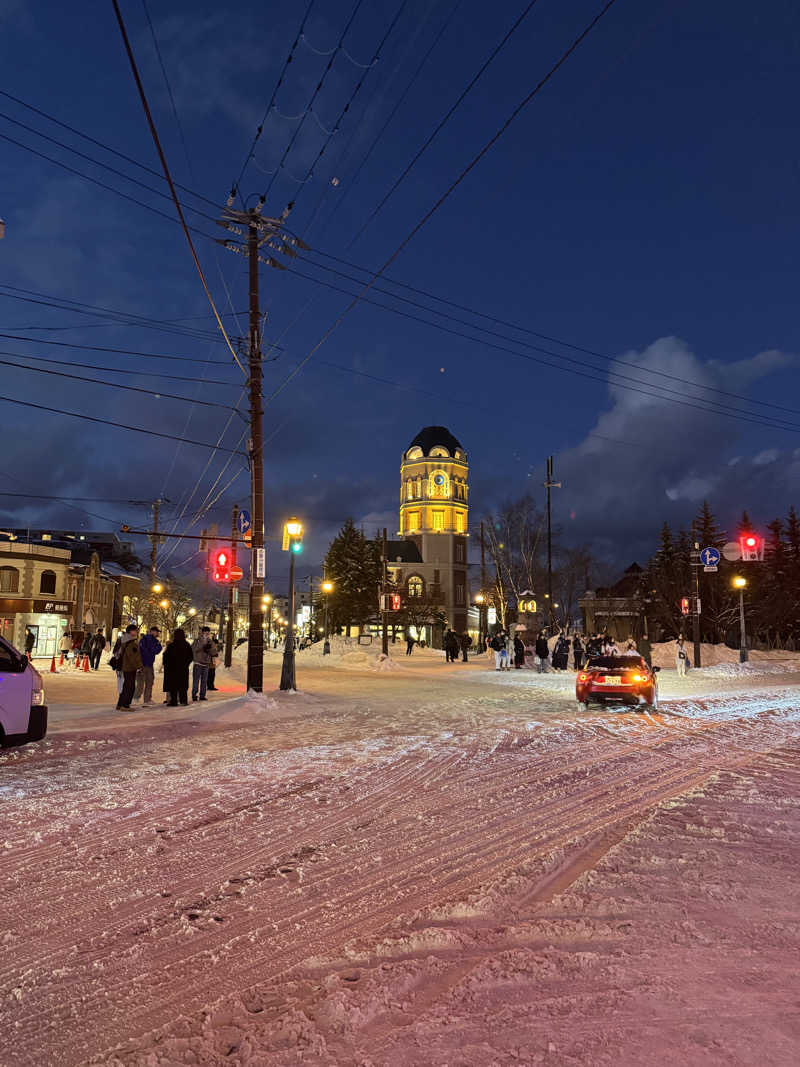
(415, 586)
(459, 522)
(438, 520)
(47, 537)
(413, 521)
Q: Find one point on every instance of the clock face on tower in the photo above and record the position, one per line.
(438, 479)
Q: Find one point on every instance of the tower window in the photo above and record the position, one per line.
(438, 520)
(460, 522)
(413, 521)
(459, 549)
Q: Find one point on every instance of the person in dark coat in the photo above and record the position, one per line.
(561, 654)
(176, 660)
(519, 652)
(646, 649)
(30, 641)
(451, 646)
(577, 651)
(542, 652)
(465, 641)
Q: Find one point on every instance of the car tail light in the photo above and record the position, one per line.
(639, 678)
(582, 677)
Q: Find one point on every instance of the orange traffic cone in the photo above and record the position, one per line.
(85, 663)
(61, 661)
(53, 664)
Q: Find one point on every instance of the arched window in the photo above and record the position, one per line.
(414, 453)
(47, 583)
(9, 580)
(439, 450)
(415, 585)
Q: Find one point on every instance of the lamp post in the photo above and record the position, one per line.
(327, 589)
(740, 584)
(266, 600)
(292, 532)
(480, 600)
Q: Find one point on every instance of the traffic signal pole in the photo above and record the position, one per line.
(384, 613)
(229, 628)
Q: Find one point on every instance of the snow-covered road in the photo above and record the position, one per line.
(423, 866)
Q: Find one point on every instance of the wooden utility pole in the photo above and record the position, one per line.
(482, 606)
(231, 590)
(384, 613)
(550, 484)
(155, 540)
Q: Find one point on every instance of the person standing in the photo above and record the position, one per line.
(519, 652)
(201, 652)
(498, 646)
(409, 644)
(681, 657)
(30, 641)
(177, 658)
(96, 649)
(65, 645)
(577, 651)
(212, 670)
(542, 653)
(149, 648)
(646, 649)
(466, 641)
(631, 645)
(450, 646)
(129, 661)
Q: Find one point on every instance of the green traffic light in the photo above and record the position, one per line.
(297, 547)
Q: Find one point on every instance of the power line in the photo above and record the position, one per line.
(154, 394)
(103, 348)
(314, 95)
(473, 81)
(259, 129)
(82, 499)
(106, 422)
(120, 370)
(389, 119)
(168, 176)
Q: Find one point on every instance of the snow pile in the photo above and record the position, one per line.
(742, 670)
(712, 656)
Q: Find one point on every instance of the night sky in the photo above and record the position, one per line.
(643, 208)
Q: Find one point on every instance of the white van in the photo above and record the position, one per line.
(23, 712)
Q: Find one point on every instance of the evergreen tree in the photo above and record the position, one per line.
(354, 566)
(715, 592)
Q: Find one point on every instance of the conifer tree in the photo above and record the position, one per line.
(354, 566)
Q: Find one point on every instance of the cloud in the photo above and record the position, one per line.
(677, 455)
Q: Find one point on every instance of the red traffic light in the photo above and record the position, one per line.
(751, 547)
(220, 561)
(684, 605)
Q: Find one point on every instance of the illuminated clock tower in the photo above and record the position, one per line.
(433, 515)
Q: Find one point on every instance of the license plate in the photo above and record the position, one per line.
(612, 679)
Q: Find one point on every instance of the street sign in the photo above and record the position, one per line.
(709, 557)
(236, 573)
(711, 570)
(243, 523)
(261, 562)
(732, 552)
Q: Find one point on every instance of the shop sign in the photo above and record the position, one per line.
(12, 605)
(52, 607)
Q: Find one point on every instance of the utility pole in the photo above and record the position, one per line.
(231, 590)
(384, 613)
(311, 607)
(482, 606)
(155, 540)
(260, 230)
(550, 484)
(204, 548)
(696, 612)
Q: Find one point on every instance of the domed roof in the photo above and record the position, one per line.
(431, 436)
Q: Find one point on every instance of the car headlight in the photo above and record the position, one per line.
(37, 697)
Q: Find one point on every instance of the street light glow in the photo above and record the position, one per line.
(479, 598)
(157, 587)
(739, 582)
(164, 604)
(327, 587)
(192, 611)
(294, 527)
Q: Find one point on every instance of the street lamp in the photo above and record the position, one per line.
(164, 604)
(327, 589)
(740, 583)
(292, 540)
(266, 600)
(480, 600)
(157, 587)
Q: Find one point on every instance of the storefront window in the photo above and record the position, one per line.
(9, 580)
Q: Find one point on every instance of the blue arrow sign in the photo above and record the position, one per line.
(243, 522)
(709, 557)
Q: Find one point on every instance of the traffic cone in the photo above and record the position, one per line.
(61, 661)
(85, 664)
(53, 664)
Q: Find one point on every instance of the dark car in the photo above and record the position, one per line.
(624, 679)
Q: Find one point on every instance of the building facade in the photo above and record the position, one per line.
(36, 593)
(434, 509)
(94, 595)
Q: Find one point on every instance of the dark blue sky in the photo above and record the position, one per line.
(643, 207)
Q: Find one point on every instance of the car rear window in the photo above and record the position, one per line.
(608, 662)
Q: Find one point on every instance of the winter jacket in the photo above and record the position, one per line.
(131, 659)
(149, 647)
(177, 659)
(98, 643)
(542, 649)
(201, 650)
(497, 643)
(466, 642)
(646, 650)
(65, 644)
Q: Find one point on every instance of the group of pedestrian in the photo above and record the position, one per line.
(454, 644)
(74, 645)
(134, 660)
(508, 649)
